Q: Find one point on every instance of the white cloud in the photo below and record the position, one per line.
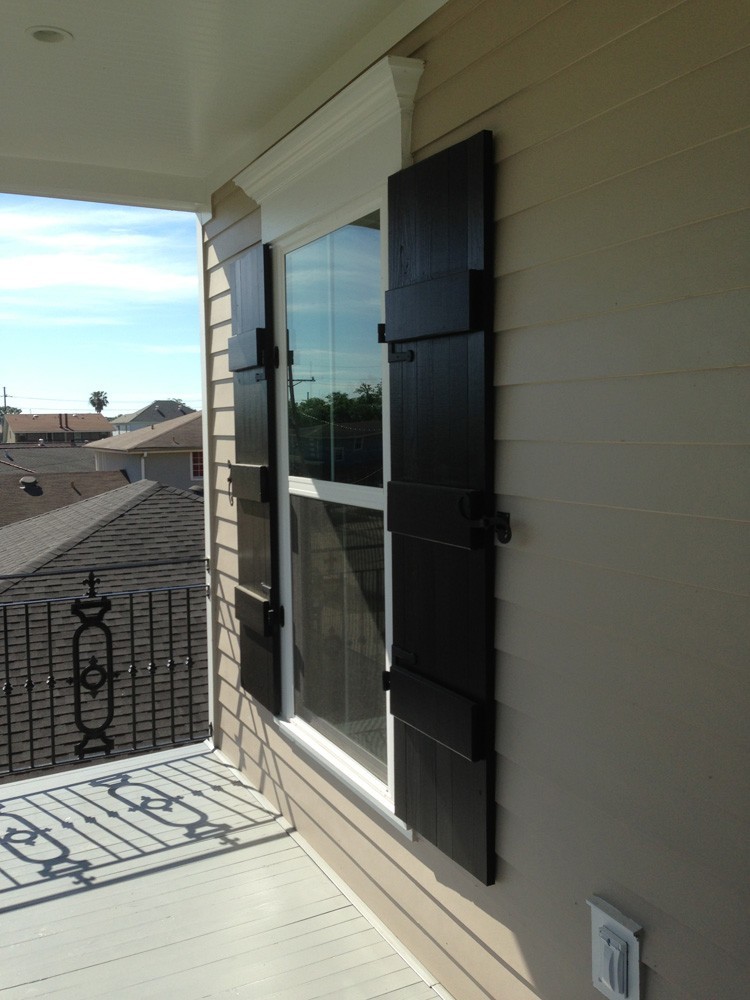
(44, 245)
(95, 271)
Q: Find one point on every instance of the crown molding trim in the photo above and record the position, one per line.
(382, 97)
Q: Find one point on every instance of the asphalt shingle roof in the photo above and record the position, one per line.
(51, 491)
(143, 520)
(182, 434)
(49, 423)
(159, 410)
(26, 459)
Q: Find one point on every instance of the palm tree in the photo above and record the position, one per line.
(98, 400)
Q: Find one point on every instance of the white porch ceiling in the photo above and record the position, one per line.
(158, 102)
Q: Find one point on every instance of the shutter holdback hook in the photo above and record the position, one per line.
(500, 521)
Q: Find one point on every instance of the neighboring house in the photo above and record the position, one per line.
(153, 414)
(567, 310)
(31, 494)
(21, 459)
(139, 540)
(71, 428)
(170, 452)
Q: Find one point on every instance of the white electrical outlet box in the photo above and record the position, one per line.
(615, 951)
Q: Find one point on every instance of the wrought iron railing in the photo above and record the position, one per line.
(101, 672)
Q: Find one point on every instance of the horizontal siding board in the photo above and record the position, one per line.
(707, 103)
(565, 37)
(219, 335)
(660, 752)
(444, 19)
(532, 104)
(700, 259)
(654, 408)
(222, 423)
(219, 365)
(672, 688)
(700, 552)
(693, 334)
(682, 958)
(222, 395)
(236, 238)
(685, 619)
(667, 812)
(489, 26)
(219, 310)
(631, 206)
(218, 281)
(685, 954)
(659, 873)
(686, 479)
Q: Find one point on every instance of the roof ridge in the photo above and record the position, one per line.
(141, 489)
(15, 465)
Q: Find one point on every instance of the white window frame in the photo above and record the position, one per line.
(193, 477)
(331, 170)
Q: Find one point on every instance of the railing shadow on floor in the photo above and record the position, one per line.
(67, 837)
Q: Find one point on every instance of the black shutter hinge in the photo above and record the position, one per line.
(208, 591)
(229, 481)
(386, 680)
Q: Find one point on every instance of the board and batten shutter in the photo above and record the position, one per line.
(438, 327)
(252, 478)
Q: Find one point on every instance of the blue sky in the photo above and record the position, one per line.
(97, 297)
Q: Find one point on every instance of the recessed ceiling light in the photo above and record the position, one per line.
(46, 33)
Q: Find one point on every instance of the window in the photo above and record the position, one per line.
(336, 532)
(196, 461)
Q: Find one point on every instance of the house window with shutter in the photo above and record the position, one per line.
(366, 538)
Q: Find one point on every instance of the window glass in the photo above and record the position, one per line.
(333, 300)
(335, 437)
(337, 572)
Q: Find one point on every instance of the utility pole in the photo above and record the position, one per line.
(5, 399)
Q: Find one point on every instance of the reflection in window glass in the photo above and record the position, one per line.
(337, 564)
(333, 309)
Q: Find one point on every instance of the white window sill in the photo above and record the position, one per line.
(351, 774)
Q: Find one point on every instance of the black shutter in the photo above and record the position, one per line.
(253, 482)
(439, 319)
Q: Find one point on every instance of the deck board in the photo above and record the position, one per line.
(166, 876)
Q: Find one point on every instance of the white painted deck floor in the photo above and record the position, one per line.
(165, 876)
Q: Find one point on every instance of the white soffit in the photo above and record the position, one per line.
(162, 103)
(344, 150)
